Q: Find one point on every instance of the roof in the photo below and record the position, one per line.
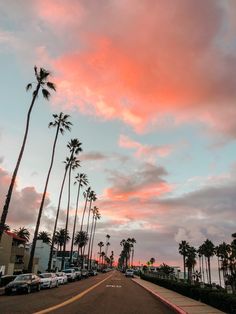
(14, 236)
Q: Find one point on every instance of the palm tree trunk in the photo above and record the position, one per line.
(85, 205)
(55, 225)
(42, 202)
(209, 269)
(184, 267)
(203, 273)
(73, 235)
(87, 224)
(91, 256)
(13, 179)
(90, 240)
(218, 261)
(207, 274)
(133, 257)
(67, 218)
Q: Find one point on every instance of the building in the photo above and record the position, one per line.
(42, 251)
(13, 254)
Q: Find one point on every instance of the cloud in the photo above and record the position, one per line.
(93, 156)
(149, 152)
(142, 184)
(166, 62)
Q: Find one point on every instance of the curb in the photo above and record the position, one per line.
(166, 302)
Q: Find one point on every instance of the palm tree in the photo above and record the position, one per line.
(208, 252)
(82, 181)
(23, 233)
(81, 239)
(97, 216)
(61, 123)
(42, 81)
(74, 164)
(107, 241)
(152, 260)
(94, 210)
(100, 244)
(66, 162)
(6, 227)
(191, 261)
(183, 250)
(45, 236)
(60, 237)
(86, 196)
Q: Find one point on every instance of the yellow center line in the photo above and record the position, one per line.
(73, 299)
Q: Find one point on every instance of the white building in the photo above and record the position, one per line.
(42, 251)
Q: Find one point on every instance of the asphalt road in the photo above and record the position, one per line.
(102, 294)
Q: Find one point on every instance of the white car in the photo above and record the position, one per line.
(48, 280)
(129, 273)
(62, 278)
(70, 273)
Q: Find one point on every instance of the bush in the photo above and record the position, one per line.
(218, 299)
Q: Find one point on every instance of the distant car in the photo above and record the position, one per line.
(93, 272)
(62, 278)
(84, 273)
(23, 283)
(129, 273)
(78, 274)
(70, 273)
(49, 280)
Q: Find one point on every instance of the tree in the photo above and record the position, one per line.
(45, 236)
(208, 252)
(86, 195)
(6, 227)
(81, 239)
(94, 211)
(96, 217)
(183, 250)
(60, 237)
(66, 162)
(42, 83)
(82, 181)
(61, 123)
(107, 241)
(152, 260)
(100, 244)
(191, 261)
(74, 164)
(23, 233)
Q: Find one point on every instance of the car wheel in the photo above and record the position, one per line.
(29, 289)
(57, 285)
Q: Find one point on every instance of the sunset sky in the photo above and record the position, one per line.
(151, 89)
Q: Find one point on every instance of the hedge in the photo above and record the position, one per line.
(218, 299)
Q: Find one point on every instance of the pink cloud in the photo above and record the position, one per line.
(143, 65)
(149, 152)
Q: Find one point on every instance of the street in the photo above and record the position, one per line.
(106, 293)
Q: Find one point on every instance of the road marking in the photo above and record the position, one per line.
(73, 299)
(113, 286)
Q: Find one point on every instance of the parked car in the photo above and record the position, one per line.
(129, 273)
(23, 283)
(84, 273)
(70, 273)
(62, 278)
(78, 274)
(48, 280)
(93, 272)
(4, 280)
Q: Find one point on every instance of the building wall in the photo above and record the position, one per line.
(42, 251)
(5, 251)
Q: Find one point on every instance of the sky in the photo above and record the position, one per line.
(150, 88)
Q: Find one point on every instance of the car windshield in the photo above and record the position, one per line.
(45, 275)
(23, 277)
(67, 271)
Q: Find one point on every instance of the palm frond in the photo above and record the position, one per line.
(46, 93)
(51, 85)
(28, 87)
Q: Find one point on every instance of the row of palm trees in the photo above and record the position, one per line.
(226, 261)
(104, 258)
(61, 123)
(126, 258)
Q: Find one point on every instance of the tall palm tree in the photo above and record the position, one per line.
(60, 237)
(208, 252)
(107, 241)
(23, 233)
(74, 164)
(82, 181)
(94, 210)
(100, 244)
(66, 162)
(97, 216)
(42, 83)
(191, 261)
(6, 227)
(86, 196)
(81, 239)
(61, 123)
(45, 236)
(183, 250)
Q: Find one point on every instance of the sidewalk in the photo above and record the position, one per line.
(179, 303)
